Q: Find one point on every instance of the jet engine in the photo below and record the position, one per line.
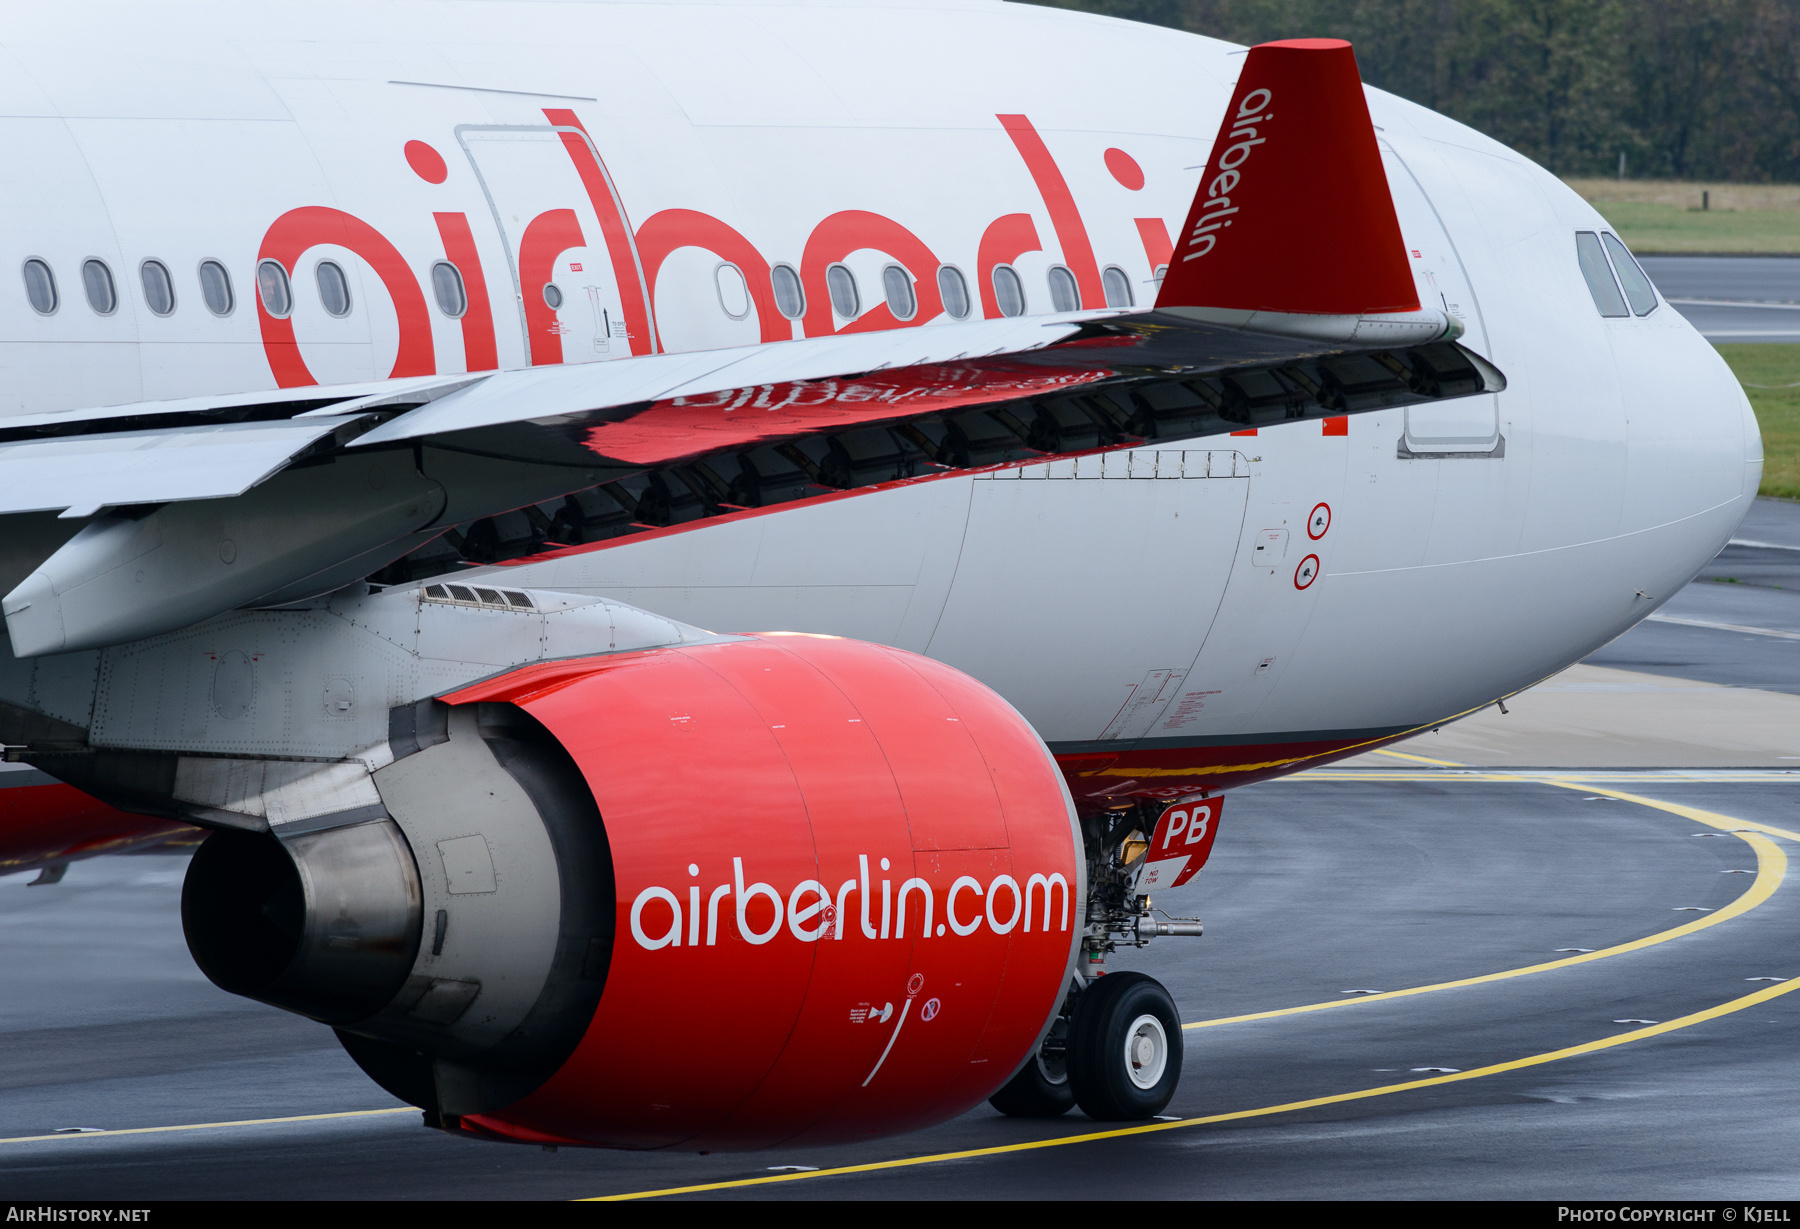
(769, 889)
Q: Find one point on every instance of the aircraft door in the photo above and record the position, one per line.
(564, 278)
(1465, 424)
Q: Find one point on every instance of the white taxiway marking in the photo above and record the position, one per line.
(1723, 627)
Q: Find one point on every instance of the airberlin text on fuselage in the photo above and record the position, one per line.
(1216, 209)
(640, 254)
(660, 918)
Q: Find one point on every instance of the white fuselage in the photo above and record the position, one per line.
(1159, 598)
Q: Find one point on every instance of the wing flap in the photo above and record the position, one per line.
(81, 474)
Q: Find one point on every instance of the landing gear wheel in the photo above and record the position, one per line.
(1124, 1052)
(1041, 1089)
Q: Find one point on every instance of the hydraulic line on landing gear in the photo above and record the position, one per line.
(1117, 844)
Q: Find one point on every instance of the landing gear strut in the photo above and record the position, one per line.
(1115, 1049)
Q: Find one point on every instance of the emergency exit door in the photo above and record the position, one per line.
(565, 280)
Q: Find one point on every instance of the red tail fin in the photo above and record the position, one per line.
(1294, 214)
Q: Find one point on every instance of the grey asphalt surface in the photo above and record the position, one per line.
(1732, 298)
(1319, 885)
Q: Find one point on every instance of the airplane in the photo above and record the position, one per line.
(695, 565)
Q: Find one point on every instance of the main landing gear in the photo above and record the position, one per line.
(1041, 1089)
(1117, 1056)
(1115, 1048)
(1124, 1055)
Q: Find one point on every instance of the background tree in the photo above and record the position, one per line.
(1703, 89)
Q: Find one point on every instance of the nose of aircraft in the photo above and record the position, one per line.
(1693, 451)
(1753, 442)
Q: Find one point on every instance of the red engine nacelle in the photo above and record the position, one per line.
(846, 895)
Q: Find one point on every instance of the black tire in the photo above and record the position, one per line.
(1107, 1083)
(1041, 1088)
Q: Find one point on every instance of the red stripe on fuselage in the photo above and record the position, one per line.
(614, 228)
(1103, 779)
(1071, 231)
(479, 350)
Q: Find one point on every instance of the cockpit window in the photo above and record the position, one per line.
(1599, 275)
(1637, 285)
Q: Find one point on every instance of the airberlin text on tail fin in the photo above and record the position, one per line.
(1293, 228)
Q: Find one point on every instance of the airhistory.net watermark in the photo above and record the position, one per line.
(50, 1214)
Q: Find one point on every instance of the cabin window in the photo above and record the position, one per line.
(790, 297)
(1064, 297)
(954, 291)
(40, 287)
(553, 295)
(447, 287)
(272, 284)
(897, 284)
(1637, 284)
(845, 300)
(334, 288)
(1599, 276)
(97, 280)
(1117, 287)
(215, 288)
(159, 287)
(734, 292)
(1009, 291)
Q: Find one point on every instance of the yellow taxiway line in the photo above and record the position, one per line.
(1771, 869)
(1289, 1107)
